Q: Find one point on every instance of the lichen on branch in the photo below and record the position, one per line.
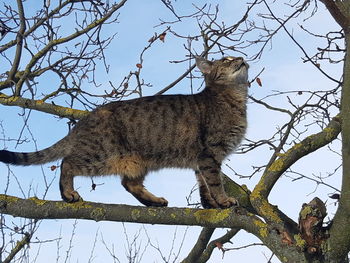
(285, 160)
(39, 105)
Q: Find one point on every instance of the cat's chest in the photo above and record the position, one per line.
(227, 127)
(230, 116)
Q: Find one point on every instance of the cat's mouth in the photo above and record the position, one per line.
(241, 73)
(243, 64)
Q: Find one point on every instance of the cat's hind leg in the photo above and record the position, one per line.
(66, 182)
(136, 188)
(133, 168)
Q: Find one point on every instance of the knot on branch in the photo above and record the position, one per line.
(2, 204)
(310, 224)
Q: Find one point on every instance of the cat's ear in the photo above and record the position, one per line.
(204, 65)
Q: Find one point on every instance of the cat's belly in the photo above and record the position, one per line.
(175, 160)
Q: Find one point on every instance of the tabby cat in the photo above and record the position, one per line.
(131, 138)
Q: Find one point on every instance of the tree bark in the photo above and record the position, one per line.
(339, 241)
(238, 218)
(42, 106)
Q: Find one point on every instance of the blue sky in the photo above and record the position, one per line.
(283, 71)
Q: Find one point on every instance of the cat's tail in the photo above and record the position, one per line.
(52, 153)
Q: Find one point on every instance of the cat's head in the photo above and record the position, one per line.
(225, 71)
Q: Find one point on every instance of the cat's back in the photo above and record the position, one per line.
(165, 129)
(164, 126)
(169, 130)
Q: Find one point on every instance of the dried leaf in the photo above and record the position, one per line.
(219, 245)
(162, 36)
(318, 65)
(138, 65)
(258, 80)
(113, 92)
(53, 167)
(300, 93)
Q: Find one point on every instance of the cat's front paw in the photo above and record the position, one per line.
(227, 202)
(71, 196)
(161, 202)
(155, 201)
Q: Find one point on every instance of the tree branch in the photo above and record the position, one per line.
(39, 105)
(19, 41)
(238, 218)
(62, 40)
(41, 209)
(340, 12)
(213, 244)
(36, 25)
(19, 245)
(274, 171)
(339, 242)
(200, 245)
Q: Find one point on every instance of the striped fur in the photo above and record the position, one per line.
(131, 138)
(55, 152)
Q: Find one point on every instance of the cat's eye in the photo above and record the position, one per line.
(229, 59)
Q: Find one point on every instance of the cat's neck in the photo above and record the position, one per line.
(238, 91)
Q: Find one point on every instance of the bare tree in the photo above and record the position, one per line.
(44, 44)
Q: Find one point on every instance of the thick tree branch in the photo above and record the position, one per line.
(39, 105)
(242, 194)
(237, 218)
(274, 171)
(339, 242)
(41, 209)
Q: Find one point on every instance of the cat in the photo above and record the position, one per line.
(133, 137)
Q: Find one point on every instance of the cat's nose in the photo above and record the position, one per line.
(243, 61)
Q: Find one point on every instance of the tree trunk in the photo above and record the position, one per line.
(339, 241)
